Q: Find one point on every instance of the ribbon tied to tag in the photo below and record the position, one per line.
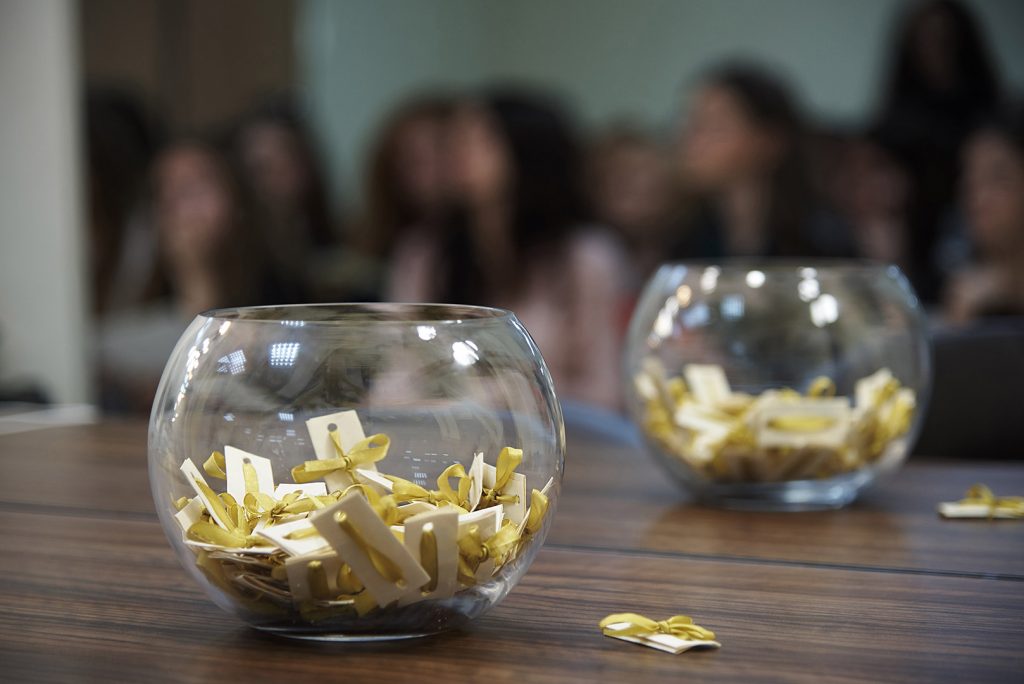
(365, 452)
(981, 495)
(632, 624)
(508, 460)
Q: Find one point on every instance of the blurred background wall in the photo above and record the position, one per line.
(44, 337)
(611, 59)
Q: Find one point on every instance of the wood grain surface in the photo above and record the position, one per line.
(882, 591)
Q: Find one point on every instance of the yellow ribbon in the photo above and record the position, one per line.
(473, 550)
(387, 568)
(508, 460)
(428, 558)
(538, 509)
(384, 506)
(822, 386)
(980, 494)
(405, 491)
(317, 577)
(370, 450)
(681, 626)
(215, 466)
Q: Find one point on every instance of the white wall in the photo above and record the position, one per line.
(612, 58)
(42, 302)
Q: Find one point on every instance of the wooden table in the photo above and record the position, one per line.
(882, 591)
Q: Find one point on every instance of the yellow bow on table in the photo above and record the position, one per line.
(370, 450)
(632, 624)
(981, 495)
(508, 460)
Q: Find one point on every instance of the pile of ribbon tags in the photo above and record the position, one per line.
(359, 539)
(778, 435)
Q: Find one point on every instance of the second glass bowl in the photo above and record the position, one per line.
(778, 385)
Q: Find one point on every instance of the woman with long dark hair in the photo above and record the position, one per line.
(519, 238)
(941, 82)
(743, 155)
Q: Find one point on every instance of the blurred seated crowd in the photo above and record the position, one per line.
(494, 196)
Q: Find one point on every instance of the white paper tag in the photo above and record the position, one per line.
(235, 460)
(488, 522)
(279, 535)
(189, 515)
(307, 489)
(516, 486)
(665, 642)
(444, 523)
(192, 475)
(476, 481)
(374, 479)
(297, 568)
(833, 435)
(376, 534)
(707, 383)
(350, 433)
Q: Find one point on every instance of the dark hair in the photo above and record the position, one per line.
(546, 190)
(768, 103)
(389, 211)
(281, 110)
(977, 81)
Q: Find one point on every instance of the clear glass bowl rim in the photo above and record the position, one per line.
(362, 313)
(785, 266)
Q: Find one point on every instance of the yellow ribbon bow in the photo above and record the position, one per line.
(980, 494)
(631, 624)
(370, 450)
(508, 460)
(405, 491)
(473, 550)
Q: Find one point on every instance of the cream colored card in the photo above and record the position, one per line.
(407, 510)
(375, 480)
(867, 390)
(193, 476)
(834, 414)
(476, 481)
(488, 522)
(953, 509)
(297, 568)
(308, 489)
(189, 515)
(235, 461)
(350, 433)
(707, 383)
(250, 551)
(516, 486)
(281, 535)
(374, 533)
(444, 523)
(667, 642)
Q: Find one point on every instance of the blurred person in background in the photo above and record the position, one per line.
(868, 184)
(283, 177)
(520, 240)
(632, 189)
(209, 255)
(407, 192)
(121, 139)
(743, 156)
(993, 201)
(941, 82)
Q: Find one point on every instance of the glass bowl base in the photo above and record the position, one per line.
(355, 638)
(800, 495)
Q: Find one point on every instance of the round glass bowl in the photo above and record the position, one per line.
(777, 385)
(354, 472)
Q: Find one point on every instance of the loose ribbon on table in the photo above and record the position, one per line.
(981, 495)
(508, 460)
(632, 624)
(365, 452)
